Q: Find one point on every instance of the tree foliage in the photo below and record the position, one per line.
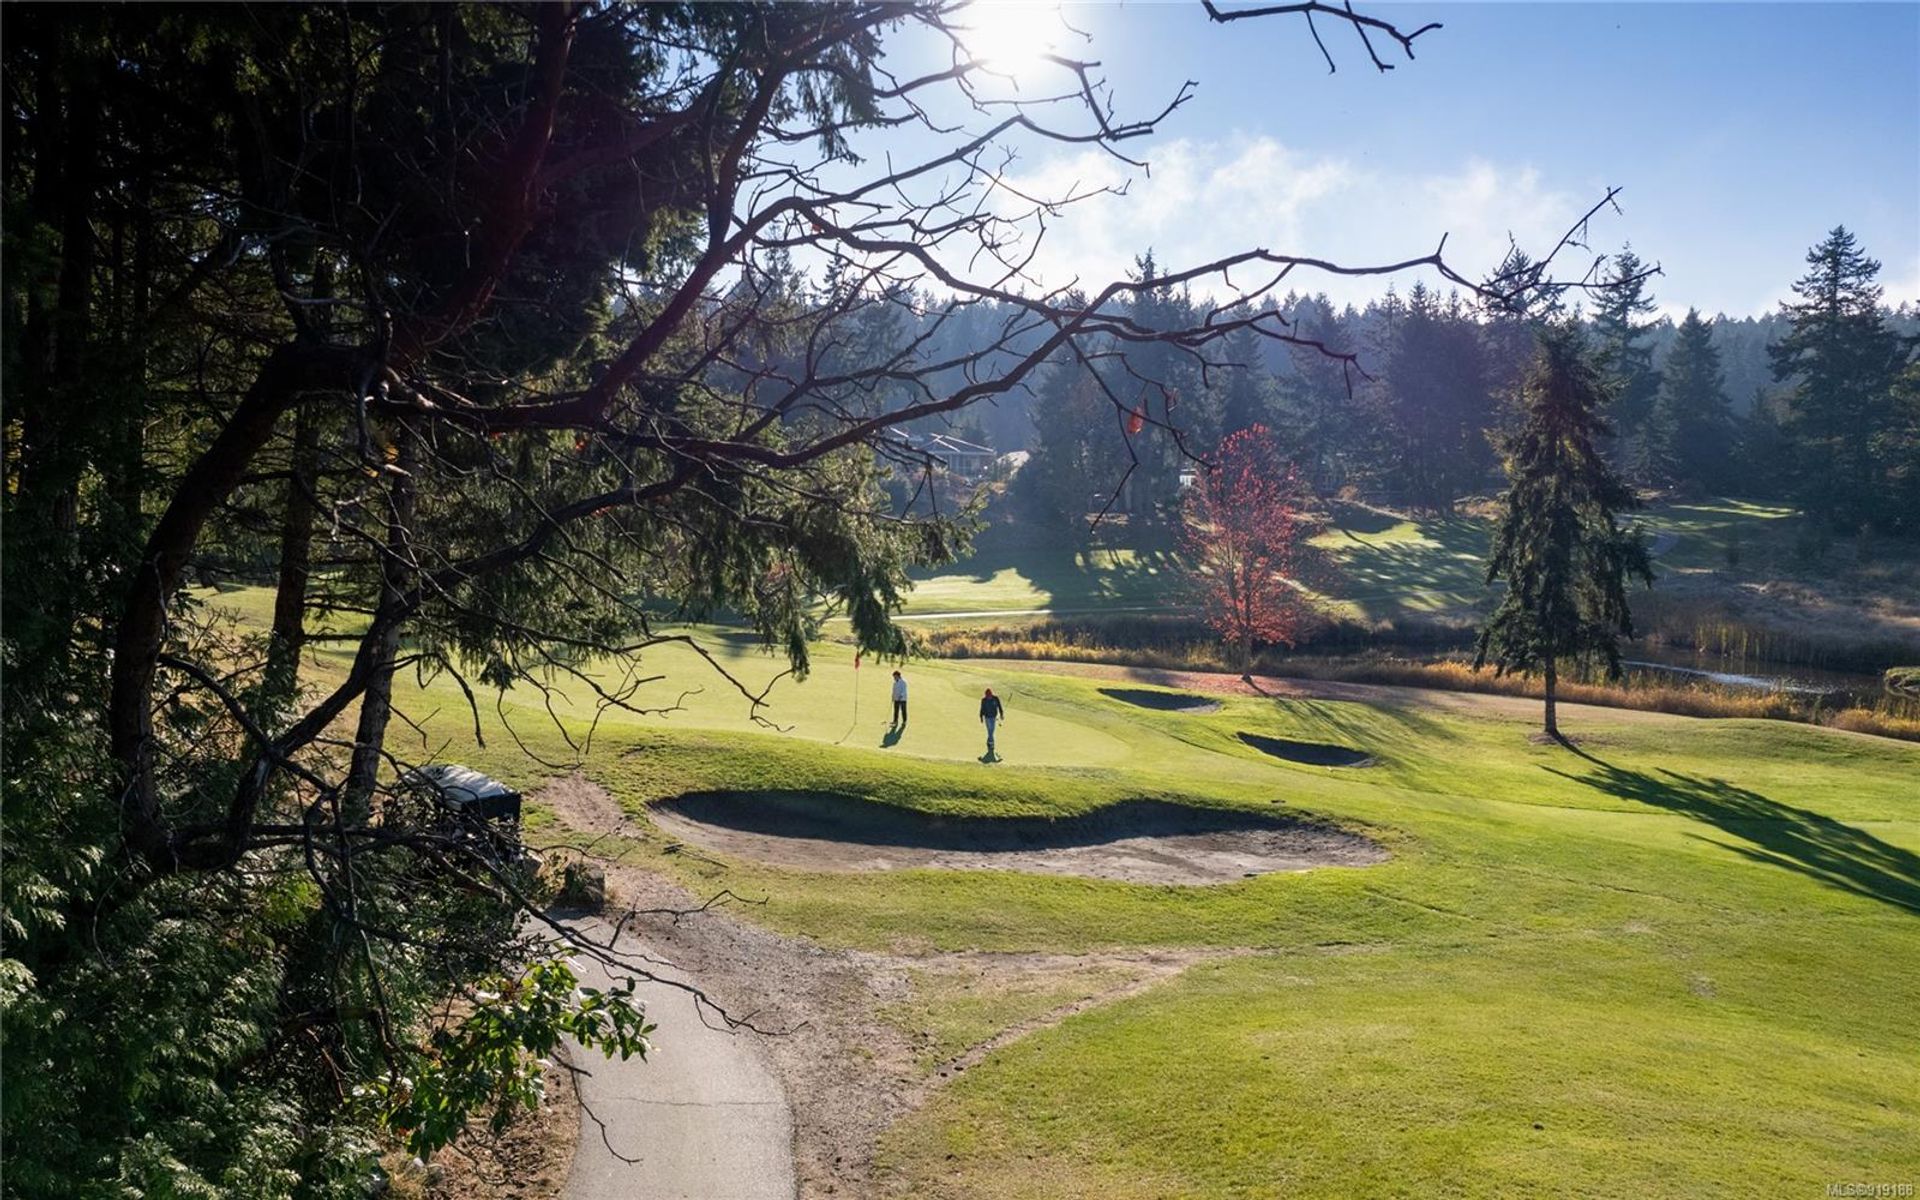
(1624, 354)
(1693, 411)
(485, 336)
(1246, 529)
(1558, 547)
(1841, 360)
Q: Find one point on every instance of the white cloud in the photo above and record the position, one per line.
(1202, 200)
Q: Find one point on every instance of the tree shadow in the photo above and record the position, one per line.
(1793, 839)
(1080, 576)
(1445, 568)
(1354, 721)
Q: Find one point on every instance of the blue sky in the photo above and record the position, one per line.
(1740, 133)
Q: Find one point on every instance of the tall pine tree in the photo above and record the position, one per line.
(1323, 414)
(1242, 386)
(1842, 360)
(1437, 400)
(1559, 546)
(1693, 393)
(1652, 458)
(1625, 353)
(1899, 447)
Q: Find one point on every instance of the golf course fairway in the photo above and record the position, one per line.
(1681, 958)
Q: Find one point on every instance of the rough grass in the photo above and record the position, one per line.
(957, 1007)
(1889, 717)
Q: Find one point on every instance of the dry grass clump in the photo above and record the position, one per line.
(1178, 641)
(1879, 720)
(1691, 700)
(1889, 716)
(1765, 628)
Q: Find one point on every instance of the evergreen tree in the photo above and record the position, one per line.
(1653, 458)
(1842, 358)
(1079, 455)
(1162, 383)
(1692, 407)
(1471, 404)
(1625, 351)
(1437, 396)
(1762, 455)
(1899, 447)
(1322, 425)
(1507, 336)
(1243, 387)
(1559, 547)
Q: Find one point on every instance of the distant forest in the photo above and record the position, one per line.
(1816, 403)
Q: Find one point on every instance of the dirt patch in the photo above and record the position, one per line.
(1140, 841)
(848, 1073)
(585, 807)
(1312, 754)
(1177, 702)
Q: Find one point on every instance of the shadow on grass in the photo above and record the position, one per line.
(1837, 854)
(841, 817)
(1079, 576)
(1313, 754)
(1351, 721)
(1443, 569)
(1174, 702)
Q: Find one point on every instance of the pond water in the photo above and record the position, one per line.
(1661, 663)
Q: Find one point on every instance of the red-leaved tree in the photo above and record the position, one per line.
(1246, 527)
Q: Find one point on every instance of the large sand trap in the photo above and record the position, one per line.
(1137, 841)
(1180, 702)
(1313, 754)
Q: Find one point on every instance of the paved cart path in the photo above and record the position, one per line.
(703, 1115)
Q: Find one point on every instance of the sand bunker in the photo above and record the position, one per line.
(1180, 702)
(1313, 754)
(1137, 841)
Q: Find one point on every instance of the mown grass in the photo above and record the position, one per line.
(1737, 578)
(1676, 962)
(1662, 1066)
(1682, 957)
(1079, 578)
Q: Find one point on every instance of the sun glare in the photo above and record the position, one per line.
(1009, 38)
